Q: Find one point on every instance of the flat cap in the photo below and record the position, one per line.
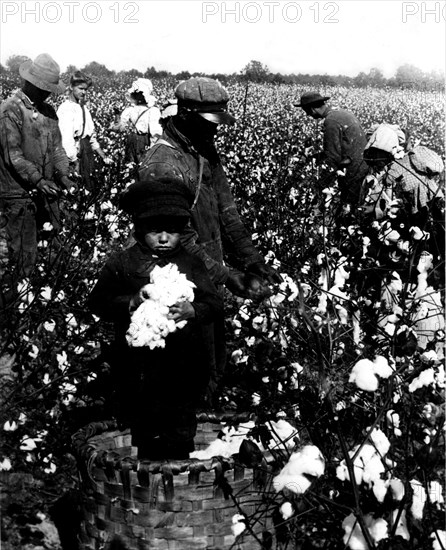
(205, 96)
(309, 98)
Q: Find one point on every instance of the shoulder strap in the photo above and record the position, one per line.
(200, 177)
(139, 116)
(83, 119)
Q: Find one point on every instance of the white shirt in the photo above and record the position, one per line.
(71, 123)
(148, 120)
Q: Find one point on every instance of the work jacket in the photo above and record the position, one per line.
(30, 146)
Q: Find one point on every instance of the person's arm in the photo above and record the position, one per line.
(67, 125)
(110, 297)
(332, 142)
(232, 226)
(91, 131)
(208, 304)
(154, 123)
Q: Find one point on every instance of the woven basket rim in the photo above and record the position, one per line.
(89, 455)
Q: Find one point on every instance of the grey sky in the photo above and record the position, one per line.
(346, 36)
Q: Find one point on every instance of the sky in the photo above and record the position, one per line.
(308, 36)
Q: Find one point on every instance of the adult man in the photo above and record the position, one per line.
(344, 142)
(187, 152)
(33, 163)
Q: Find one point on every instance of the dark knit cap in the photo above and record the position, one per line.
(155, 197)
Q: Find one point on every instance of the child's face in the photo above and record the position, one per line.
(162, 240)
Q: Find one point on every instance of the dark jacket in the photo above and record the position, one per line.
(215, 218)
(344, 139)
(158, 389)
(30, 146)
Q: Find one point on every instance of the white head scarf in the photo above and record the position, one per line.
(145, 86)
(389, 138)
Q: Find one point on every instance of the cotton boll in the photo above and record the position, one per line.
(380, 441)
(379, 488)
(401, 529)
(382, 367)
(238, 524)
(438, 539)
(308, 460)
(295, 483)
(397, 489)
(363, 375)
(426, 378)
(286, 510)
(353, 537)
(379, 529)
(282, 433)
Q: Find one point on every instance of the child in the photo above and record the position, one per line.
(158, 388)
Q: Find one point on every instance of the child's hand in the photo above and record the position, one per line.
(181, 311)
(138, 299)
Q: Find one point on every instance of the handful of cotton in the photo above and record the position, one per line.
(150, 324)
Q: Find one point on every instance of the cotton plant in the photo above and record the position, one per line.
(149, 324)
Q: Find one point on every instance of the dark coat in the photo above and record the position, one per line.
(158, 389)
(344, 139)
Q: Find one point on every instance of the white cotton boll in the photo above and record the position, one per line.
(45, 293)
(379, 488)
(238, 525)
(9, 426)
(342, 472)
(380, 441)
(363, 375)
(429, 356)
(397, 489)
(426, 378)
(401, 529)
(28, 444)
(418, 499)
(282, 433)
(296, 483)
(353, 537)
(286, 510)
(5, 465)
(379, 529)
(49, 326)
(308, 460)
(438, 539)
(255, 399)
(373, 468)
(382, 367)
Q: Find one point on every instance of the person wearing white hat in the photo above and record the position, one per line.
(141, 120)
(33, 164)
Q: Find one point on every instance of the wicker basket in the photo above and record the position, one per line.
(169, 505)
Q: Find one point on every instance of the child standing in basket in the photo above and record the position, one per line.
(158, 388)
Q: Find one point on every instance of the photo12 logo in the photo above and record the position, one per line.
(69, 12)
(271, 12)
(426, 12)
